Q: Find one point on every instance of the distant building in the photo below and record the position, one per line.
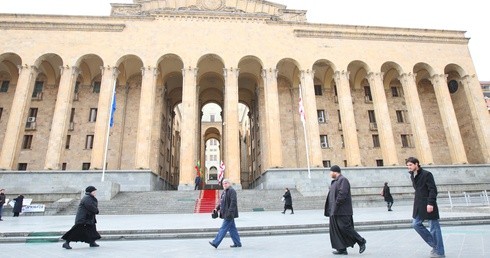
(485, 86)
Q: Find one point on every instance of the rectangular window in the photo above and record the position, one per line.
(86, 166)
(340, 118)
(96, 87)
(394, 92)
(399, 116)
(89, 142)
(372, 117)
(72, 115)
(1, 111)
(326, 164)
(318, 90)
(342, 140)
(63, 166)
(67, 144)
(27, 142)
(38, 88)
(335, 90)
(77, 87)
(33, 112)
(321, 116)
(22, 166)
(324, 141)
(376, 141)
(406, 141)
(5, 86)
(367, 94)
(379, 163)
(93, 115)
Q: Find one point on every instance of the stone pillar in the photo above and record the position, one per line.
(420, 137)
(383, 120)
(17, 120)
(351, 143)
(188, 140)
(109, 80)
(272, 119)
(61, 117)
(145, 117)
(479, 113)
(312, 129)
(449, 120)
(231, 137)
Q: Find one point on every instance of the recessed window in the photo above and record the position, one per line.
(318, 90)
(367, 94)
(67, 144)
(406, 141)
(93, 115)
(379, 163)
(86, 166)
(27, 142)
(376, 141)
(324, 141)
(63, 166)
(453, 86)
(395, 92)
(321, 116)
(96, 87)
(5, 86)
(22, 166)
(38, 88)
(89, 142)
(372, 117)
(327, 164)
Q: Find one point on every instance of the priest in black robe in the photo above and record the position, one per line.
(338, 207)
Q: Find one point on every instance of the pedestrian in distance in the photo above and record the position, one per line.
(2, 202)
(84, 229)
(425, 207)
(19, 201)
(197, 182)
(387, 195)
(338, 207)
(288, 201)
(228, 211)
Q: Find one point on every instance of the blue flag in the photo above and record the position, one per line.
(113, 109)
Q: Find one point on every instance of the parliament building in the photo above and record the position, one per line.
(128, 91)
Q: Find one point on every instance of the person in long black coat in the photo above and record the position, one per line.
(338, 207)
(19, 200)
(388, 197)
(288, 201)
(425, 207)
(84, 229)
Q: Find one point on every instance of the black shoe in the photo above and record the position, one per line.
(211, 243)
(340, 252)
(235, 245)
(283, 212)
(292, 212)
(66, 245)
(362, 247)
(93, 244)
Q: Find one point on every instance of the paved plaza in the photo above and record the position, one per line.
(460, 241)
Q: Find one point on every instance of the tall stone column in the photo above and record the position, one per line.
(61, 116)
(312, 129)
(17, 119)
(383, 120)
(479, 113)
(231, 137)
(351, 143)
(109, 80)
(272, 118)
(449, 120)
(145, 118)
(188, 140)
(416, 115)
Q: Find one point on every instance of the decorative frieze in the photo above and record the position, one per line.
(60, 26)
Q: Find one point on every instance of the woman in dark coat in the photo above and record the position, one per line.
(387, 195)
(288, 202)
(18, 205)
(84, 229)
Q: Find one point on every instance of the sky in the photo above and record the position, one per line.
(459, 15)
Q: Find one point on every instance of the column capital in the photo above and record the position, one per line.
(75, 69)
(270, 73)
(372, 76)
(438, 78)
(190, 70)
(150, 69)
(307, 72)
(115, 71)
(32, 68)
(405, 77)
(339, 74)
(236, 71)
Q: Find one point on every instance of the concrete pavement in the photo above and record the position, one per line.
(460, 241)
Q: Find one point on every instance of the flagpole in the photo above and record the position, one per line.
(104, 166)
(303, 120)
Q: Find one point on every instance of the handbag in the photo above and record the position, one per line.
(214, 214)
(283, 199)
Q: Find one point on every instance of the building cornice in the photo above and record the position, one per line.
(60, 26)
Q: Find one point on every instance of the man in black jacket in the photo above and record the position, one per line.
(228, 211)
(425, 207)
(338, 207)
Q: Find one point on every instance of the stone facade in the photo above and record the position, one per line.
(385, 93)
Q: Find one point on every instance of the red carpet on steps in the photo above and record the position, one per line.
(207, 201)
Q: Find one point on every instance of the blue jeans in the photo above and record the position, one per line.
(228, 225)
(1, 210)
(433, 237)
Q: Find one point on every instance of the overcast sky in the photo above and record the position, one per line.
(466, 16)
